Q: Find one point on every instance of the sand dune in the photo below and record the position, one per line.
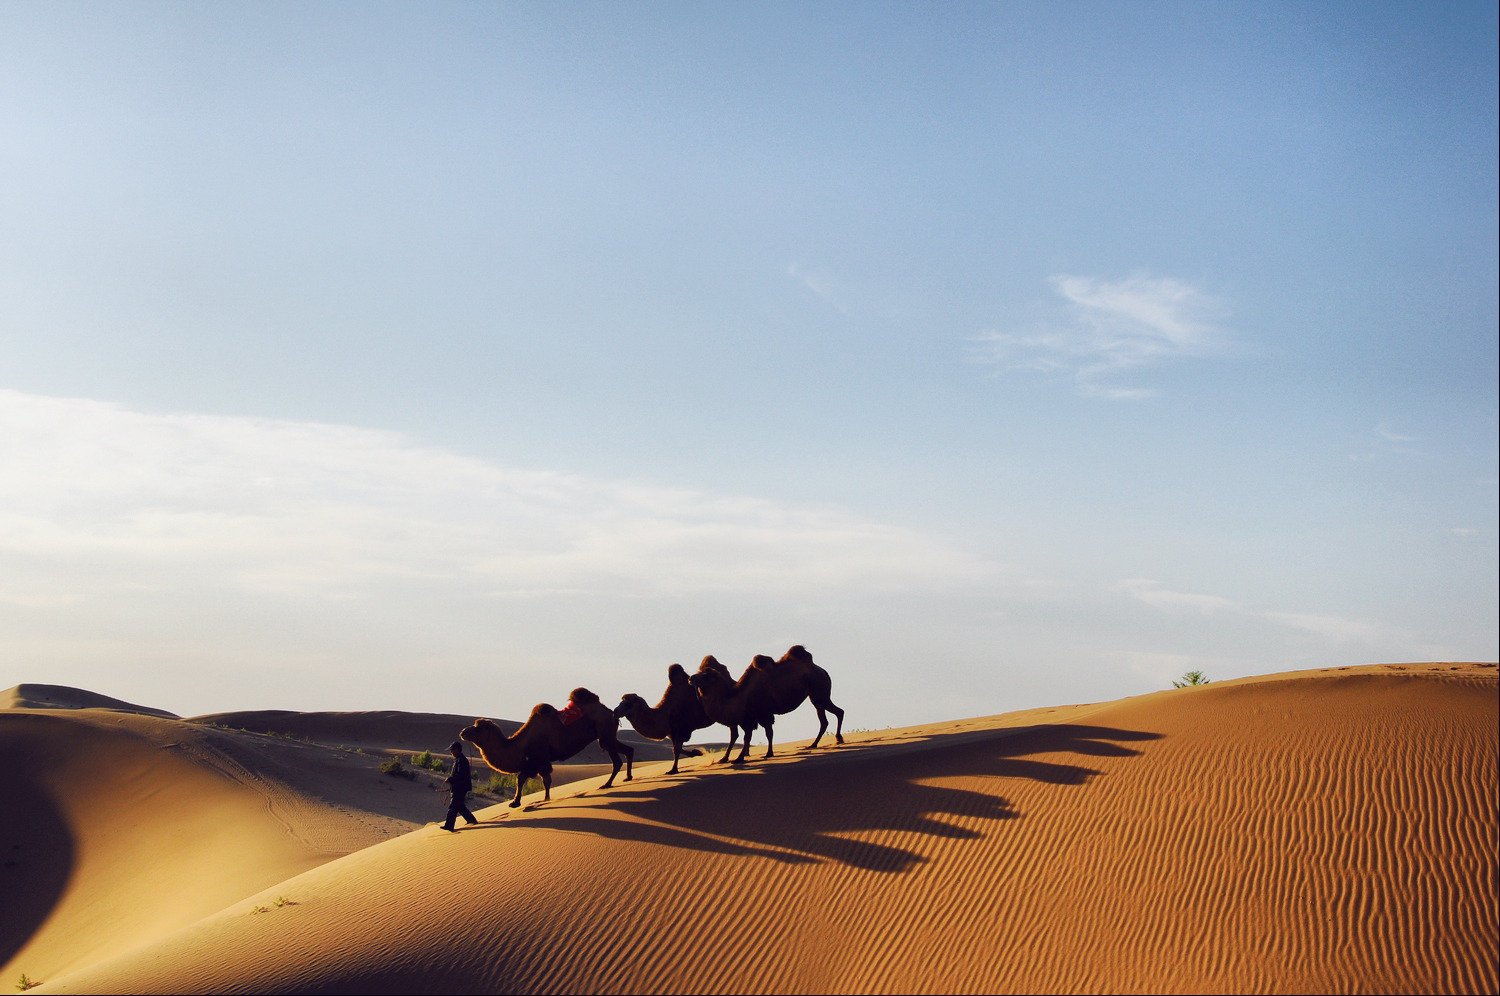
(393, 730)
(1316, 831)
(63, 697)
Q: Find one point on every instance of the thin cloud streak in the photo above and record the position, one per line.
(821, 285)
(1333, 629)
(1108, 327)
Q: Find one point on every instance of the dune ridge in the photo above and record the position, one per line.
(1320, 831)
(31, 696)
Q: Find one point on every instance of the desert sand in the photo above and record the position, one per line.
(1318, 831)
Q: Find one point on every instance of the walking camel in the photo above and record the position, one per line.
(550, 736)
(676, 717)
(767, 689)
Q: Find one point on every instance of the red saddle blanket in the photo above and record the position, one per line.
(570, 713)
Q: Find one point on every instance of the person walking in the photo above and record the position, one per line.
(459, 784)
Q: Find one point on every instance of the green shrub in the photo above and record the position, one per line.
(427, 759)
(503, 786)
(25, 983)
(395, 768)
(1190, 679)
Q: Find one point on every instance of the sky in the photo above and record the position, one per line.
(445, 357)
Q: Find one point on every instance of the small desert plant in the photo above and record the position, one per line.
(1190, 679)
(25, 983)
(503, 786)
(283, 901)
(395, 768)
(427, 759)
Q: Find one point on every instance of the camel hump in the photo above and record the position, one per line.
(583, 697)
(763, 662)
(799, 654)
(709, 663)
(543, 710)
(677, 675)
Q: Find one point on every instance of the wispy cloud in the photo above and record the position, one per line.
(1386, 441)
(95, 497)
(1152, 593)
(1105, 328)
(1333, 629)
(822, 285)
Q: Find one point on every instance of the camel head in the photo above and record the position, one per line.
(482, 728)
(710, 678)
(711, 665)
(629, 703)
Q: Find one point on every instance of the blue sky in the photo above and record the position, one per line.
(448, 356)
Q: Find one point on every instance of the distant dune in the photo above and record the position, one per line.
(63, 697)
(1316, 831)
(391, 730)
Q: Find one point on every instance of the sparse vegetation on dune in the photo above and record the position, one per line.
(396, 769)
(1191, 679)
(427, 759)
(502, 785)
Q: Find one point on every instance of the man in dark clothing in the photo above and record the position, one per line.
(459, 784)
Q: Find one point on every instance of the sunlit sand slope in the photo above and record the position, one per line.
(1328, 831)
(120, 826)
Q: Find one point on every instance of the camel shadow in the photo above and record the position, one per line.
(884, 791)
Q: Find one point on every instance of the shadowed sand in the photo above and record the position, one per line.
(1316, 831)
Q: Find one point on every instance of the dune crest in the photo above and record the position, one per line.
(29, 696)
(1316, 831)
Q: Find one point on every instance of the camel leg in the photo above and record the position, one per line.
(745, 750)
(822, 727)
(615, 748)
(680, 749)
(770, 737)
(822, 704)
(734, 734)
(522, 777)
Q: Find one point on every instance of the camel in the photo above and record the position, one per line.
(723, 702)
(547, 737)
(767, 689)
(676, 717)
